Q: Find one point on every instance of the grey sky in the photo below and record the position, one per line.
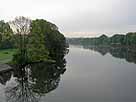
(92, 17)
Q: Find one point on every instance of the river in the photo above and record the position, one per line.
(92, 76)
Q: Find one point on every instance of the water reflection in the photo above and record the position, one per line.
(5, 76)
(28, 83)
(122, 52)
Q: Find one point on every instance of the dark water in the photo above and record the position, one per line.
(90, 75)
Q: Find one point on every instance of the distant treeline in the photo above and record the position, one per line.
(118, 39)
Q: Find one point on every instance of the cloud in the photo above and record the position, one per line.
(98, 16)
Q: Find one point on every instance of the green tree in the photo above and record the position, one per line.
(37, 51)
(130, 38)
(6, 39)
(117, 39)
(46, 42)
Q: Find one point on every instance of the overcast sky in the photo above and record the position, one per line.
(77, 17)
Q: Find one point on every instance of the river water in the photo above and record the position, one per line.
(92, 75)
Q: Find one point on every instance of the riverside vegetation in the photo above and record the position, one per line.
(39, 39)
(118, 40)
(35, 51)
(119, 45)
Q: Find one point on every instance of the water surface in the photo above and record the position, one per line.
(91, 76)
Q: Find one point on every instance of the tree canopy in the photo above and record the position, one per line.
(44, 41)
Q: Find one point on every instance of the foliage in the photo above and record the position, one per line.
(45, 41)
(130, 38)
(37, 50)
(6, 39)
(118, 39)
(37, 40)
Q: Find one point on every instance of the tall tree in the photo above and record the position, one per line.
(21, 27)
(46, 40)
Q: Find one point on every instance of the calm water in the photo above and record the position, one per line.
(92, 75)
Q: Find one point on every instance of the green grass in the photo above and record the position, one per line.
(6, 55)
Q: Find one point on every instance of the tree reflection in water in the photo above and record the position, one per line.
(122, 52)
(33, 81)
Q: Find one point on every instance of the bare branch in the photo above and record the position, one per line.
(21, 25)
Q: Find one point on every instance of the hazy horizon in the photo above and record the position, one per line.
(93, 17)
(91, 35)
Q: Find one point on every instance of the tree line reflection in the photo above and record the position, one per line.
(122, 52)
(32, 81)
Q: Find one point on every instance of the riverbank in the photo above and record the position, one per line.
(6, 55)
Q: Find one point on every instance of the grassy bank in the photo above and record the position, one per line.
(6, 55)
